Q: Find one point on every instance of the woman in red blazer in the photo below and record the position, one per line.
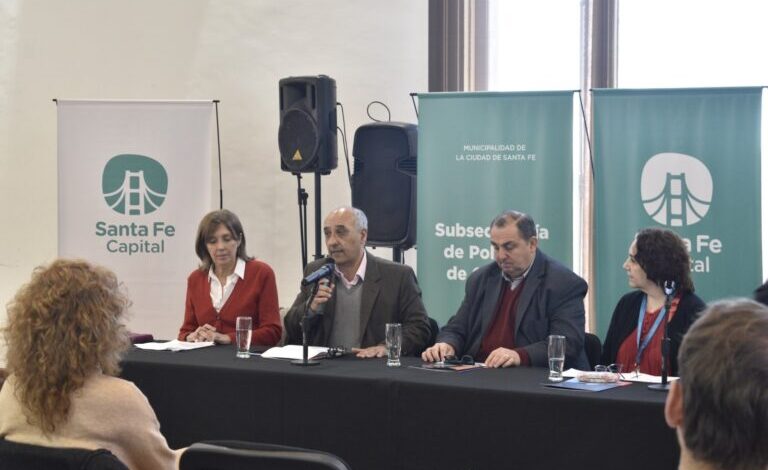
(229, 284)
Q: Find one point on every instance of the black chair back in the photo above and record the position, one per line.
(594, 349)
(15, 456)
(240, 455)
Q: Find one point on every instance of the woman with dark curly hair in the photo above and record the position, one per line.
(636, 330)
(64, 341)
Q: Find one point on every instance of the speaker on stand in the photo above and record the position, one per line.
(384, 183)
(307, 140)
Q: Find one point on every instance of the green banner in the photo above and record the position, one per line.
(687, 160)
(479, 154)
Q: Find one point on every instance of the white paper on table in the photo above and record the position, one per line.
(644, 378)
(572, 372)
(295, 351)
(626, 376)
(174, 345)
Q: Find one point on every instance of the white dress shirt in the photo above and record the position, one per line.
(359, 275)
(219, 293)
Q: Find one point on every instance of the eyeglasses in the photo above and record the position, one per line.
(612, 368)
(454, 361)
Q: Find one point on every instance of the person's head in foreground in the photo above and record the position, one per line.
(719, 407)
(63, 326)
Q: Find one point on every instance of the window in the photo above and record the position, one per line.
(534, 45)
(692, 43)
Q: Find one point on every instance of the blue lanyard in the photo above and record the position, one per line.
(649, 336)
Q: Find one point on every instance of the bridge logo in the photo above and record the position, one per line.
(676, 189)
(134, 184)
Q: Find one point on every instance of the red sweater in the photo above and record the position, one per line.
(254, 296)
(501, 333)
(650, 363)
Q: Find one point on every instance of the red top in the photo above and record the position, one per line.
(501, 333)
(650, 362)
(255, 295)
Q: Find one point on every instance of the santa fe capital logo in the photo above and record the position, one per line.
(676, 189)
(134, 184)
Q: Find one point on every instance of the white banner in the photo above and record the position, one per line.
(134, 181)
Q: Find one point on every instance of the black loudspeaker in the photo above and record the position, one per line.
(384, 183)
(307, 135)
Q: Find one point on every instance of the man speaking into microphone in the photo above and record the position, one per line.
(362, 296)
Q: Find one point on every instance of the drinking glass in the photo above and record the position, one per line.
(394, 338)
(243, 335)
(556, 354)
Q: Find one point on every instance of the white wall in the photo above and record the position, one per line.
(232, 50)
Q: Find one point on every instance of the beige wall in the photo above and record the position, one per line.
(232, 50)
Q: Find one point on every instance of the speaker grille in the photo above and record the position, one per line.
(298, 140)
(307, 134)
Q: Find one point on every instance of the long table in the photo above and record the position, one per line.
(378, 417)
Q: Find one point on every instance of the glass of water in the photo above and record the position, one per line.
(556, 354)
(394, 338)
(243, 327)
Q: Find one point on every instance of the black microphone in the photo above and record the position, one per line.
(669, 288)
(324, 282)
(669, 291)
(323, 271)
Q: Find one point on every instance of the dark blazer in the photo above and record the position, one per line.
(552, 302)
(390, 294)
(624, 322)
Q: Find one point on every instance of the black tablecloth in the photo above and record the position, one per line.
(377, 417)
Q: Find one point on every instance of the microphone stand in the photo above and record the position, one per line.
(666, 342)
(305, 361)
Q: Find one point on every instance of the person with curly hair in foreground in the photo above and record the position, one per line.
(656, 256)
(64, 341)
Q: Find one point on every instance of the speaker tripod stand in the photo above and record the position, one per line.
(302, 197)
